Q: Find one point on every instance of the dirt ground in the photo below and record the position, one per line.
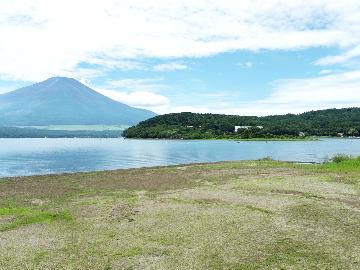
(231, 215)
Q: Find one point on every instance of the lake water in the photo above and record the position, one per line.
(42, 156)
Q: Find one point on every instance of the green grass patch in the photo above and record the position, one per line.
(343, 163)
(132, 252)
(40, 256)
(286, 251)
(22, 216)
(309, 195)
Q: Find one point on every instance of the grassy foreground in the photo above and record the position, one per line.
(233, 215)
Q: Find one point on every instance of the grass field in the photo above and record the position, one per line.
(233, 215)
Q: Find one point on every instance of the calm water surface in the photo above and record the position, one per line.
(42, 156)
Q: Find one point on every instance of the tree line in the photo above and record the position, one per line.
(19, 132)
(186, 125)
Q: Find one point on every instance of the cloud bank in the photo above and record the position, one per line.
(140, 99)
(41, 38)
(297, 96)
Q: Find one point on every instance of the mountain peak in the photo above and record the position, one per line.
(63, 100)
(56, 85)
(59, 79)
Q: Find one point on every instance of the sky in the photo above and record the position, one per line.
(226, 56)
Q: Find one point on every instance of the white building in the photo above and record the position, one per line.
(247, 127)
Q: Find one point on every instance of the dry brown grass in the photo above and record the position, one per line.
(232, 215)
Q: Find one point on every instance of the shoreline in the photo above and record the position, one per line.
(310, 138)
(71, 173)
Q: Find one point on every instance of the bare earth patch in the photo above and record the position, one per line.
(226, 215)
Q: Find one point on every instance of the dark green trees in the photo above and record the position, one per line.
(187, 125)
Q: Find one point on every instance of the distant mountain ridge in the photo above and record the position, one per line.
(65, 101)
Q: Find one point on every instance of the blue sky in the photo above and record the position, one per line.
(235, 57)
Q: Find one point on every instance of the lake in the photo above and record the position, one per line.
(43, 156)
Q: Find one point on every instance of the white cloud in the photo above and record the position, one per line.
(123, 64)
(170, 67)
(137, 92)
(330, 60)
(41, 38)
(331, 89)
(338, 90)
(82, 74)
(136, 84)
(247, 64)
(325, 71)
(4, 90)
(140, 99)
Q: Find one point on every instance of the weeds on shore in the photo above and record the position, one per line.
(21, 216)
(342, 157)
(343, 163)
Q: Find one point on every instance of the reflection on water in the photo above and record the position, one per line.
(40, 156)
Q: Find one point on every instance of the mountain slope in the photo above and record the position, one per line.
(65, 101)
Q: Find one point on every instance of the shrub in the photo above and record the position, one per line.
(340, 158)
